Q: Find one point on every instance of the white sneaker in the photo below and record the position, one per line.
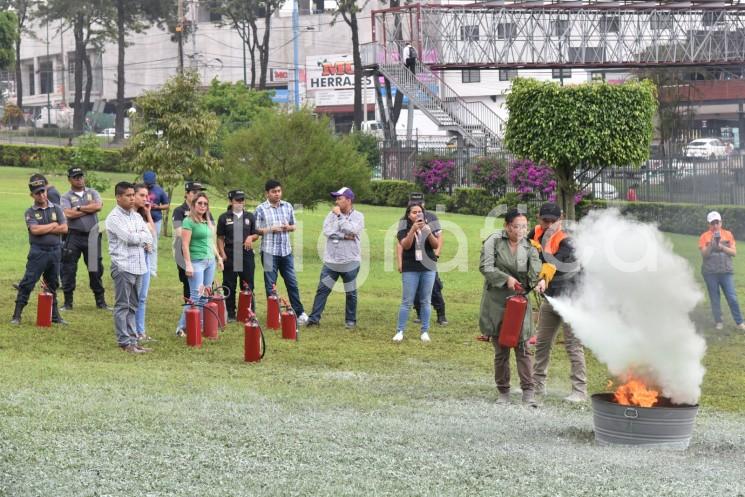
(741, 326)
(719, 326)
(399, 336)
(302, 319)
(425, 337)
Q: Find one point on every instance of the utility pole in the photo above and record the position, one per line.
(295, 36)
(243, 39)
(49, 90)
(62, 56)
(180, 36)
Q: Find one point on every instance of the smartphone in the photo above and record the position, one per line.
(717, 237)
(420, 217)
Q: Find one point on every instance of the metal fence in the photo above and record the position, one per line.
(676, 179)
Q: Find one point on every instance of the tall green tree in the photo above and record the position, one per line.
(582, 128)
(348, 10)
(22, 10)
(92, 24)
(299, 150)
(134, 16)
(173, 132)
(8, 36)
(252, 20)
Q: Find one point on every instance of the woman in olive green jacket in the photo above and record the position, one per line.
(508, 261)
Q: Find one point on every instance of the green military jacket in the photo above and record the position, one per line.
(496, 264)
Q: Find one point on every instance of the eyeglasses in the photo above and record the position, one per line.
(206, 204)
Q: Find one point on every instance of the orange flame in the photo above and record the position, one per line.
(635, 393)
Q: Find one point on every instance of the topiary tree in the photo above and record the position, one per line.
(300, 151)
(580, 128)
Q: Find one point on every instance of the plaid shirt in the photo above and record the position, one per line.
(267, 216)
(128, 235)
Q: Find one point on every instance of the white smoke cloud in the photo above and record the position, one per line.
(632, 306)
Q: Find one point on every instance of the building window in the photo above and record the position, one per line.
(31, 80)
(46, 77)
(564, 72)
(507, 74)
(209, 12)
(597, 76)
(470, 76)
(610, 24)
(659, 21)
(505, 31)
(469, 33)
(560, 27)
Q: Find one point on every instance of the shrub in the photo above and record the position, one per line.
(367, 146)
(434, 174)
(392, 193)
(471, 201)
(12, 115)
(490, 173)
(687, 219)
(529, 177)
(56, 159)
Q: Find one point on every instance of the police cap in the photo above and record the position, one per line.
(74, 172)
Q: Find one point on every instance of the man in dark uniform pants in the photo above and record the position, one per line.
(236, 233)
(191, 188)
(81, 206)
(45, 223)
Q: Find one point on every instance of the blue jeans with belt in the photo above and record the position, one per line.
(727, 282)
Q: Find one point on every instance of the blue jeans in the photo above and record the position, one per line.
(142, 293)
(416, 282)
(727, 282)
(154, 256)
(204, 275)
(286, 267)
(326, 284)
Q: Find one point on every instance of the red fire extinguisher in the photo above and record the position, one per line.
(211, 320)
(272, 310)
(289, 322)
(513, 318)
(244, 303)
(218, 296)
(193, 326)
(254, 346)
(44, 307)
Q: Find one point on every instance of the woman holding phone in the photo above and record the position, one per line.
(418, 267)
(199, 247)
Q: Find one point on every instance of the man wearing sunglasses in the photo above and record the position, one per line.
(46, 224)
(717, 246)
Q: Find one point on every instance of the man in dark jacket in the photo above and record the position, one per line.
(557, 254)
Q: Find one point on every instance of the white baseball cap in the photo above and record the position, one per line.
(713, 216)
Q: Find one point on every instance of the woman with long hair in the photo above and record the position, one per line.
(418, 267)
(200, 251)
(142, 206)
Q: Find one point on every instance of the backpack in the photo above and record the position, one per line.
(412, 52)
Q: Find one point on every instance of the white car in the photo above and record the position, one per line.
(706, 148)
(110, 133)
(602, 191)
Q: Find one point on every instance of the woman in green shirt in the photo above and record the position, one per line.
(200, 251)
(509, 261)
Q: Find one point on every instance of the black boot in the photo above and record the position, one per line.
(56, 318)
(441, 319)
(101, 303)
(67, 306)
(17, 314)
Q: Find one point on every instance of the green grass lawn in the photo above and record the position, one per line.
(80, 417)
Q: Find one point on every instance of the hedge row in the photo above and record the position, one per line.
(687, 219)
(43, 157)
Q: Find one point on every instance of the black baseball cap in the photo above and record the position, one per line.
(74, 172)
(236, 195)
(416, 198)
(37, 183)
(193, 186)
(550, 210)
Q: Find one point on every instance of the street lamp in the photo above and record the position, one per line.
(49, 95)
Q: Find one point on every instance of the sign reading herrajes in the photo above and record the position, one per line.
(331, 72)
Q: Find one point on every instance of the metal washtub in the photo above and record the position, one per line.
(667, 425)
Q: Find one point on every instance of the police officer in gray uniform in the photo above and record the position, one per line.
(46, 223)
(81, 206)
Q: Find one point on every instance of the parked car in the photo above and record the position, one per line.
(602, 191)
(110, 133)
(706, 148)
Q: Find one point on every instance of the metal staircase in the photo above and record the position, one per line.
(474, 121)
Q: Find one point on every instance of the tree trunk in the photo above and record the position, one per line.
(565, 191)
(264, 49)
(88, 85)
(119, 122)
(78, 117)
(358, 112)
(19, 75)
